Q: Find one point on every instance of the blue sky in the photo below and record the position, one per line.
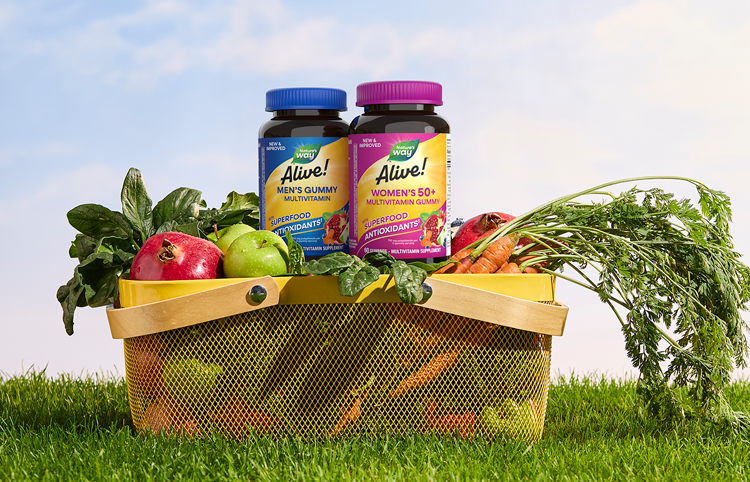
(544, 98)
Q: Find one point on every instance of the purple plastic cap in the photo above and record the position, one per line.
(399, 92)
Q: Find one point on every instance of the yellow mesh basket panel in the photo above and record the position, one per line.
(334, 370)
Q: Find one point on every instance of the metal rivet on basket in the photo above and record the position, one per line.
(426, 292)
(257, 295)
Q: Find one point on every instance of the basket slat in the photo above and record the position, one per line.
(228, 300)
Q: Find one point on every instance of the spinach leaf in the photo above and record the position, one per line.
(166, 227)
(332, 263)
(97, 221)
(70, 296)
(136, 205)
(193, 229)
(86, 246)
(238, 208)
(296, 255)
(408, 280)
(240, 202)
(430, 267)
(123, 258)
(99, 273)
(94, 283)
(378, 259)
(180, 206)
(357, 277)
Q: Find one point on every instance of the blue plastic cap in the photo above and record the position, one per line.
(305, 98)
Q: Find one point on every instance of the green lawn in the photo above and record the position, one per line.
(80, 429)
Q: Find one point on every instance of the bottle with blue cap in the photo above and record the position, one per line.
(303, 158)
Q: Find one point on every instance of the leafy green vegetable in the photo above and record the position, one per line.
(109, 240)
(379, 259)
(238, 208)
(431, 267)
(97, 221)
(179, 206)
(333, 263)
(357, 277)
(355, 274)
(136, 205)
(669, 265)
(408, 280)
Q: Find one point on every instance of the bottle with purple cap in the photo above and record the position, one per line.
(399, 172)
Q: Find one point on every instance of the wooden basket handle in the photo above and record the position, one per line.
(233, 299)
(496, 308)
(190, 309)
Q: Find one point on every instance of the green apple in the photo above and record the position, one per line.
(511, 419)
(229, 234)
(257, 253)
(190, 380)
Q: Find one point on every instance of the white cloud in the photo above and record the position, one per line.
(234, 37)
(691, 59)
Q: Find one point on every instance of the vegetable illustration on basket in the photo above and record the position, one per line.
(416, 361)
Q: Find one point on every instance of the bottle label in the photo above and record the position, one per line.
(304, 189)
(400, 195)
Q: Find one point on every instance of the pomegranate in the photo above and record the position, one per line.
(335, 226)
(433, 225)
(436, 421)
(148, 366)
(176, 256)
(478, 227)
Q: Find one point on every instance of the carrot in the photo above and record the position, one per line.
(531, 269)
(350, 416)
(464, 266)
(510, 268)
(495, 255)
(450, 268)
(427, 373)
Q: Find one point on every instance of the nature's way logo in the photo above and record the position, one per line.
(403, 151)
(306, 154)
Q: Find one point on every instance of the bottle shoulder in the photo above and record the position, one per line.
(304, 127)
(399, 123)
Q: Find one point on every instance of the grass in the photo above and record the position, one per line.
(71, 428)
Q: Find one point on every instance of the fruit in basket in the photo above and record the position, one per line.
(510, 419)
(228, 235)
(190, 380)
(477, 228)
(166, 416)
(176, 256)
(462, 425)
(147, 365)
(258, 253)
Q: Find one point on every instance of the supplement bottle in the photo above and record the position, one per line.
(399, 155)
(304, 169)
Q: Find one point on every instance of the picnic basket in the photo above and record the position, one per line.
(290, 356)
